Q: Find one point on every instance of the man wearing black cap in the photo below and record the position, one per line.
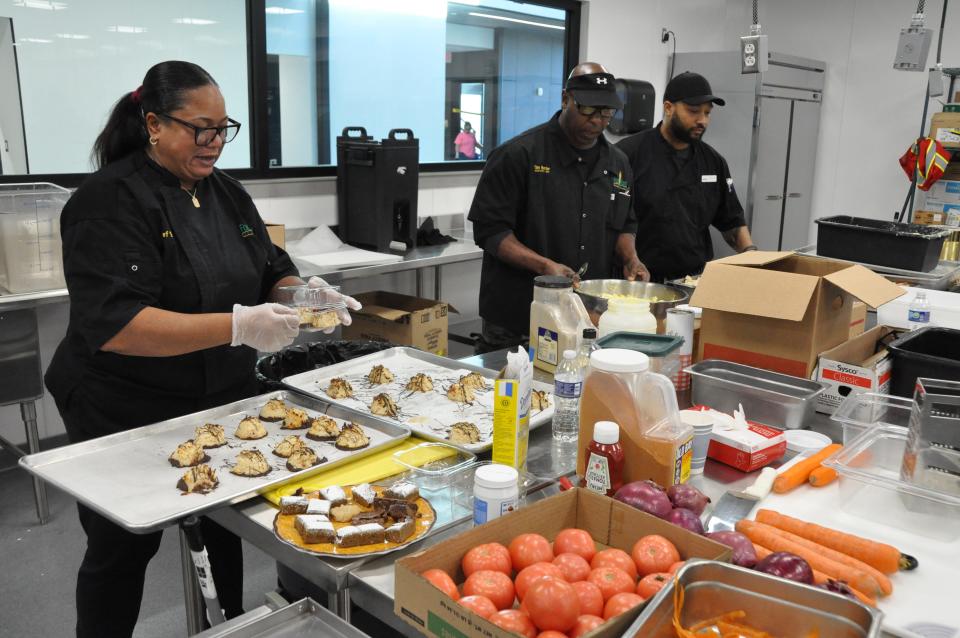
(553, 199)
(682, 185)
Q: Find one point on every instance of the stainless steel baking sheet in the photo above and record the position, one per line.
(127, 477)
(302, 618)
(429, 415)
(945, 276)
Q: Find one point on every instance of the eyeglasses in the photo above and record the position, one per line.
(204, 135)
(605, 112)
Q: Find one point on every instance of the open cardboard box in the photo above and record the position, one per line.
(779, 310)
(862, 364)
(611, 523)
(401, 319)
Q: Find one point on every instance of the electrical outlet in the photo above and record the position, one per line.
(753, 54)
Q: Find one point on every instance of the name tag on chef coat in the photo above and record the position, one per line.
(708, 179)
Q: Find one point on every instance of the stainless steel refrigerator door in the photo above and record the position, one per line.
(769, 180)
(800, 172)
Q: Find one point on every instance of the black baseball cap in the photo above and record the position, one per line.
(594, 89)
(691, 88)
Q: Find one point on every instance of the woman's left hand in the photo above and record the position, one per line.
(333, 296)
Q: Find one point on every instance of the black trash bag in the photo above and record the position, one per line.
(304, 357)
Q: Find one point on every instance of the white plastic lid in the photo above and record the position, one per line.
(619, 360)
(697, 312)
(496, 476)
(697, 419)
(806, 440)
(606, 432)
(569, 354)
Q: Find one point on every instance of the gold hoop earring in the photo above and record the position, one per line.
(154, 140)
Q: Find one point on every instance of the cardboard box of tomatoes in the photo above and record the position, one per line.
(610, 523)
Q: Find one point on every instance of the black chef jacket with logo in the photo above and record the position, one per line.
(533, 187)
(132, 239)
(676, 201)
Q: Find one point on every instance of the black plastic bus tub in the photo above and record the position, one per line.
(928, 352)
(881, 243)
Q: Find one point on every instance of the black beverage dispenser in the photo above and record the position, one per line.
(377, 189)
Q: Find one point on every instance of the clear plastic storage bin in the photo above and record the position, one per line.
(860, 412)
(32, 254)
(437, 477)
(871, 487)
(317, 307)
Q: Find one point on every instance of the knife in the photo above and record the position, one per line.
(736, 505)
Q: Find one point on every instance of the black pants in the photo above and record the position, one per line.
(496, 337)
(111, 576)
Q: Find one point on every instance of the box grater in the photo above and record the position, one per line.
(932, 454)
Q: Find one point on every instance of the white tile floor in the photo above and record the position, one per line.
(38, 569)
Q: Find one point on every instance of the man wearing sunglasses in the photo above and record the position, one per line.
(551, 200)
(682, 185)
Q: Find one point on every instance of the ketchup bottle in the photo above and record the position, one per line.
(604, 460)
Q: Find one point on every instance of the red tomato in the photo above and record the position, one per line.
(615, 558)
(654, 554)
(527, 549)
(496, 586)
(591, 598)
(550, 633)
(575, 541)
(514, 620)
(442, 581)
(552, 604)
(492, 556)
(574, 567)
(535, 572)
(676, 566)
(480, 605)
(610, 580)
(620, 603)
(585, 624)
(652, 583)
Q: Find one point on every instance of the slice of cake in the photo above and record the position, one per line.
(250, 428)
(323, 428)
(251, 463)
(296, 419)
(363, 494)
(318, 506)
(369, 517)
(188, 454)
(400, 532)
(199, 480)
(293, 504)
(356, 535)
(352, 437)
(274, 410)
(334, 494)
(209, 435)
(315, 529)
(402, 491)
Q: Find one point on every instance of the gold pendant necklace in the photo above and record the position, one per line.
(193, 195)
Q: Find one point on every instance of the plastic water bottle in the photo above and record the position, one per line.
(918, 315)
(568, 383)
(588, 345)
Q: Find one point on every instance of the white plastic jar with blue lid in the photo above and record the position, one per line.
(495, 492)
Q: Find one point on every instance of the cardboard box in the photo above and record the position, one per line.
(610, 522)
(945, 128)
(929, 218)
(953, 171)
(779, 310)
(945, 190)
(401, 319)
(858, 319)
(859, 365)
(278, 235)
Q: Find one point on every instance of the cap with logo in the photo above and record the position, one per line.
(691, 88)
(594, 89)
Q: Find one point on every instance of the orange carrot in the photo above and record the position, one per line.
(768, 537)
(822, 476)
(885, 586)
(885, 558)
(819, 578)
(799, 473)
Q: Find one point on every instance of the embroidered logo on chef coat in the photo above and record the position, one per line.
(621, 186)
(167, 234)
(541, 168)
(245, 231)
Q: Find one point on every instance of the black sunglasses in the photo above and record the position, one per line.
(204, 135)
(606, 112)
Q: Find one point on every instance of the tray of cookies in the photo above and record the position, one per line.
(358, 520)
(438, 398)
(150, 477)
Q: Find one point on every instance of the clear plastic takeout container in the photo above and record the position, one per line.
(860, 412)
(318, 307)
(436, 473)
(462, 484)
(871, 486)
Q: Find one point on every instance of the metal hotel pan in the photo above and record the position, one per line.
(771, 398)
(127, 478)
(775, 605)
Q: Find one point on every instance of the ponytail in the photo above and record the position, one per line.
(163, 90)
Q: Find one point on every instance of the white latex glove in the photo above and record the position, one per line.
(333, 296)
(268, 327)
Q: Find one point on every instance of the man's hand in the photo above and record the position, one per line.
(634, 270)
(553, 268)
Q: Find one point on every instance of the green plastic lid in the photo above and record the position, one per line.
(648, 344)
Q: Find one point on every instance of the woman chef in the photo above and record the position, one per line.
(170, 273)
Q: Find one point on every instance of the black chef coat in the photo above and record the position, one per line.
(133, 239)
(676, 201)
(532, 186)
